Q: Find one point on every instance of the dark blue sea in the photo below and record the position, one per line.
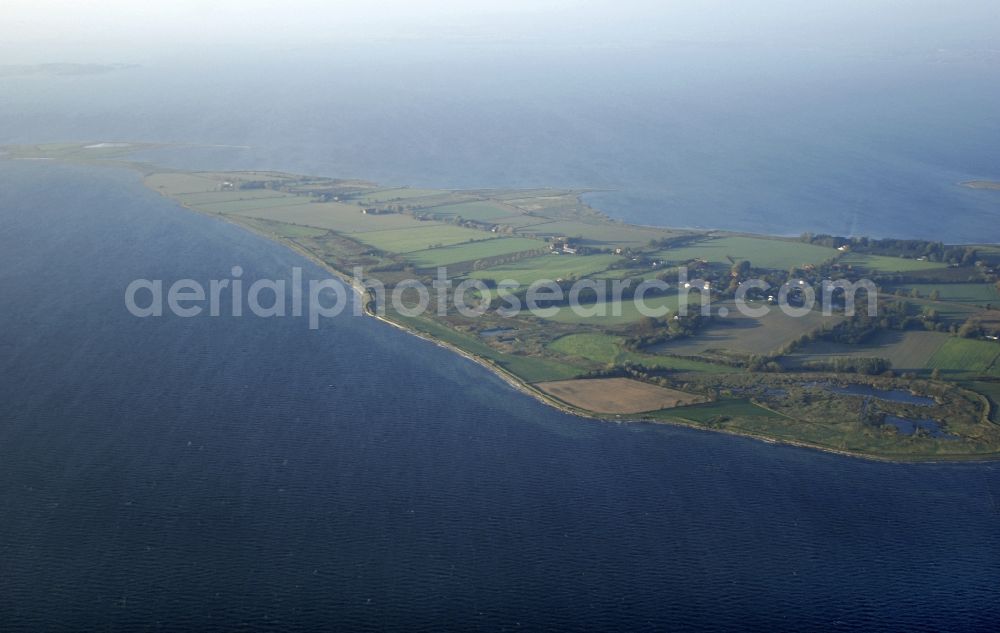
(226, 474)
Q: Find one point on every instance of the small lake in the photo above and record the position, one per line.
(496, 331)
(906, 426)
(867, 391)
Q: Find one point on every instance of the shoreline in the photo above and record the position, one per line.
(514, 381)
(527, 389)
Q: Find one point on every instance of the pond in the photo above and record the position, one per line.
(907, 426)
(496, 331)
(892, 395)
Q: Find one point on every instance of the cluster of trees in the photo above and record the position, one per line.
(264, 184)
(759, 362)
(974, 328)
(654, 375)
(851, 364)
(892, 316)
(498, 260)
(675, 241)
(933, 295)
(932, 250)
(650, 331)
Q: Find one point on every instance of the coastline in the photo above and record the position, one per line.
(527, 389)
(511, 379)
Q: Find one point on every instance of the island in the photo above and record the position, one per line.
(982, 184)
(918, 381)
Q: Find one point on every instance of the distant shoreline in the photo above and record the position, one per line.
(991, 185)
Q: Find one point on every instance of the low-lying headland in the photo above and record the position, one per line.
(982, 184)
(833, 381)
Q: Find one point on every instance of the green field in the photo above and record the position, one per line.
(521, 221)
(403, 195)
(294, 230)
(336, 216)
(992, 391)
(948, 311)
(710, 411)
(210, 197)
(548, 267)
(175, 184)
(979, 294)
(989, 253)
(474, 251)
(536, 199)
(607, 349)
(249, 206)
(628, 308)
(426, 236)
(907, 351)
(480, 210)
(966, 356)
(883, 264)
(606, 234)
(633, 273)
(761, 253)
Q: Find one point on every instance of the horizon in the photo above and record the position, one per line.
(107, 31)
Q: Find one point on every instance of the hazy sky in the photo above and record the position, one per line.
(51, 30)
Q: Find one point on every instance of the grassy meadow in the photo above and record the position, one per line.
(473, 251)
(907, 351)
(966, 357)
(884, 264)
(548, 266)
(608, 349)
(760, 252)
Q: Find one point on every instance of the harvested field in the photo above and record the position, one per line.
(747, 335)
(616, 395)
